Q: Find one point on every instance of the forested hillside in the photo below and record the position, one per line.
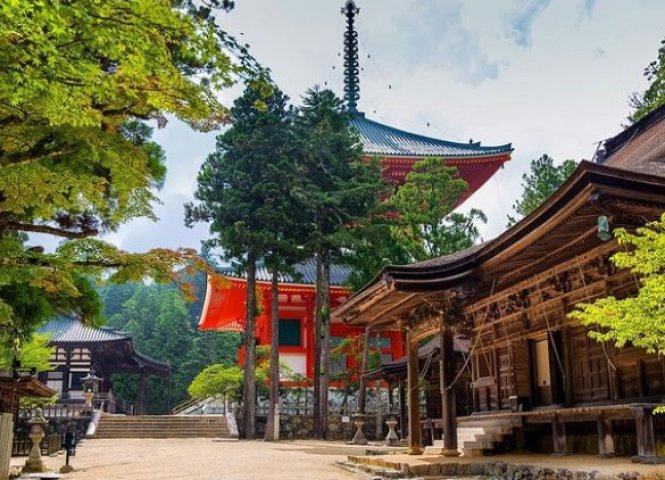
(163, 325)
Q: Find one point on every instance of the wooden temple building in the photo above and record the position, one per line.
(80, 350)
(537, 378)
(397, 151)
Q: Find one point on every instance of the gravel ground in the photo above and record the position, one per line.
(203, 459)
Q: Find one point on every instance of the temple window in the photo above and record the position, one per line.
(289, 333)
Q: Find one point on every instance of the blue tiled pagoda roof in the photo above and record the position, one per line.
(379, 139)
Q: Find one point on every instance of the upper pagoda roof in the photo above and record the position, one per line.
(379, 139)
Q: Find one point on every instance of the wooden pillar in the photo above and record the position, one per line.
(415, 447)
(646, 441)
(448, 391)
(559, 436)
(362, 388)
(567, 352)
(143, 394)
(605, 437)
(391, 397)
(66, 373)
(402, 410)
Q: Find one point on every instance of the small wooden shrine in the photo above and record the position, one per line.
(80, 349)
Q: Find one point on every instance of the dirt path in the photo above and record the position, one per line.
(203, 459)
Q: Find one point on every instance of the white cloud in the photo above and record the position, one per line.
(521, 20)
(451, 65)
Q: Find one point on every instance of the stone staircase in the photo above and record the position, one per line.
(486, 436)
(163, 426)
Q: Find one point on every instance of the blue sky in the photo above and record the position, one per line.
(550, 76)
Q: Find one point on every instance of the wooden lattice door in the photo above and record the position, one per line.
(589, 368)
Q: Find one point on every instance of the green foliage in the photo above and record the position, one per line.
(640, 320)
(416, 223)
(539, 184)
(654, 96)
(247, 187)
(33, 353)
(164, 328)
(79, 81)
(215, 380)
(340, 188)
(352, 348)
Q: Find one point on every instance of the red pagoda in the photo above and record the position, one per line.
(398, 151)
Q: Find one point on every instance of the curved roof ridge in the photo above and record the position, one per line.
(379, 138)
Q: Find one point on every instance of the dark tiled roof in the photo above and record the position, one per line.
(69, 330)
(431, 348)
(616, 143)
(305, 273)
(448, 259)
(379, 139)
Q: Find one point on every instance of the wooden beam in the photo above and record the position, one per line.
(415, 447)
(402, 410)
(559, 436)
(646, 440)
(605, 437)
(448, 390)
(391, 308)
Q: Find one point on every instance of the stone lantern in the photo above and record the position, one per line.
(392, 440)
(90, 388)
(34, 463)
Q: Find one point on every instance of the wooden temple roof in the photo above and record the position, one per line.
(430, 349)
(26, 386)
(113, 350)
(563, 227)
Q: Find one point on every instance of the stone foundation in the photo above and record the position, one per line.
(301, 427)
(490, 470)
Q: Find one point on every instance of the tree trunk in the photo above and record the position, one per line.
(325, 346)
(273, 397)
(316, 395)
(362, 388)
(249, 387)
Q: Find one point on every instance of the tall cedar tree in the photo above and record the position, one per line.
(75, 161)
(236, 194)
(341, 188)
(285, 224)
(543, 180)
(427, 226)
(654, 96)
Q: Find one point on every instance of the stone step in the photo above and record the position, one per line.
(163, 426)
(484, 445)
(160, 435)
(489, 437)
(480, 422)
(103, 430)
(473, 452)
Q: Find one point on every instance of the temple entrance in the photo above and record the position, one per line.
(547, 374)
(541, 350)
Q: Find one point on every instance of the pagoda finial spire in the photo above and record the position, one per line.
(351, 65)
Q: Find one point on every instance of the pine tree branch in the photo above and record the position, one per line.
(58, 232)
